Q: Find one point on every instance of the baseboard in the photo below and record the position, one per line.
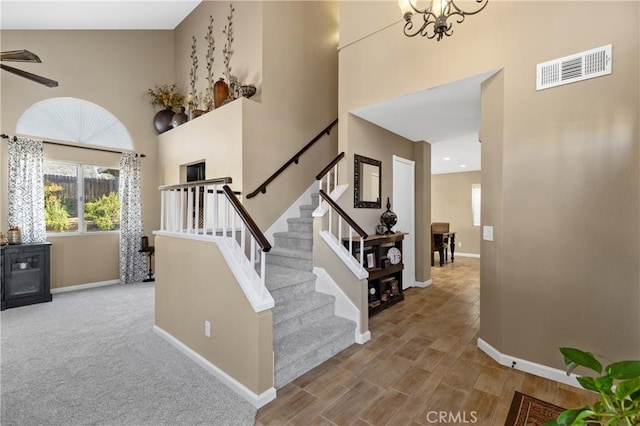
(362, 338)
(528, 366)
(83, 286)
(255, 399)
(423, 284)
(467, 255)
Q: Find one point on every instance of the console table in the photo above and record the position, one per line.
(383, 260)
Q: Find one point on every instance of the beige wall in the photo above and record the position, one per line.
(559, 166)
(215, 138)
(112, 69)
(372, 141)
(422, 155)
(101, 250)
(356, 290)
(451, 202)
(299, 99)
(491, 281)
(246, 60)
(288, 49)
(241, 342)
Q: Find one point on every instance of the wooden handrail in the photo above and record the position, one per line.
(223, 180)
(330, 166)
(247, 219)
(343, 214)
(263, 188)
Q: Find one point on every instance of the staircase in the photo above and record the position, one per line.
(305, 330)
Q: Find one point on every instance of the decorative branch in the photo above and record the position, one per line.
(228, 51)
(211, 47)
(193, 96)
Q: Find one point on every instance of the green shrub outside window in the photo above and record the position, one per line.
(81, 198)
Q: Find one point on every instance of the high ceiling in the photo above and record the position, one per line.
(90, 14)
(448, 116)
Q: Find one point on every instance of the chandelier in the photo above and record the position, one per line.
(436, 17)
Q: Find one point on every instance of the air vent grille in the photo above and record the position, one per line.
(580, 66)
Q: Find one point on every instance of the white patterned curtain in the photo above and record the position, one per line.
(132, 262)
(26, 188)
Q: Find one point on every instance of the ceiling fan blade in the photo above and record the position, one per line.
(19, 56)
(38, 79)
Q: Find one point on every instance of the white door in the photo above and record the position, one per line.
(404, 207)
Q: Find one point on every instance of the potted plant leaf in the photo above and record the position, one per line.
(618, 385)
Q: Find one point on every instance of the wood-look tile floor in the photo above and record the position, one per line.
(422, 359)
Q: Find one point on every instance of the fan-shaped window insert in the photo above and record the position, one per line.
(74, 120)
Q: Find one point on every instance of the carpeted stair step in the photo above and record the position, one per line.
(315, 199)
(303, 311)
(306, 331)
(285, 284)
(295, 259)
(294, 240)
(309, 347)
(300, 224)
(307, 210)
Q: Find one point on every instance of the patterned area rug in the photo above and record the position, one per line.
(528, 411)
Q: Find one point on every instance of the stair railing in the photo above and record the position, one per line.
(210, 210)
(324, 178)
(343, 244)
(181, 204)
(296, 157)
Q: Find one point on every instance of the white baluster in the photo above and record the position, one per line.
(233, 229)
(181, 227)
(175, 206)
(263, 262)
(189, 211)
(226, 217)
(252, 256)
(205, 209)
(243, 235)
(196, 217)
(162, 207)
(216, 213)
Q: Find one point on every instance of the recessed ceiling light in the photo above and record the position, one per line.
(463, 165)
(446, 158)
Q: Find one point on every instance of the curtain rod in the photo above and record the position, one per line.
(3, 136)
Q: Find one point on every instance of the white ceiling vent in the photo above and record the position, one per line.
(580, 66)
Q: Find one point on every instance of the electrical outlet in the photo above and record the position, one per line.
(207, 328)
(459, 244)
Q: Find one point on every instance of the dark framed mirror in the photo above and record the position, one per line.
(367, 185)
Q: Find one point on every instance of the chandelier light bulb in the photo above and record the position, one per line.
(406, 9)
(438, 7)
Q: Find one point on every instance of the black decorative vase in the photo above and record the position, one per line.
(179, 117)
(388, 218)
(162, 119)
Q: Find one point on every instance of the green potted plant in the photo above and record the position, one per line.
(618, 385)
